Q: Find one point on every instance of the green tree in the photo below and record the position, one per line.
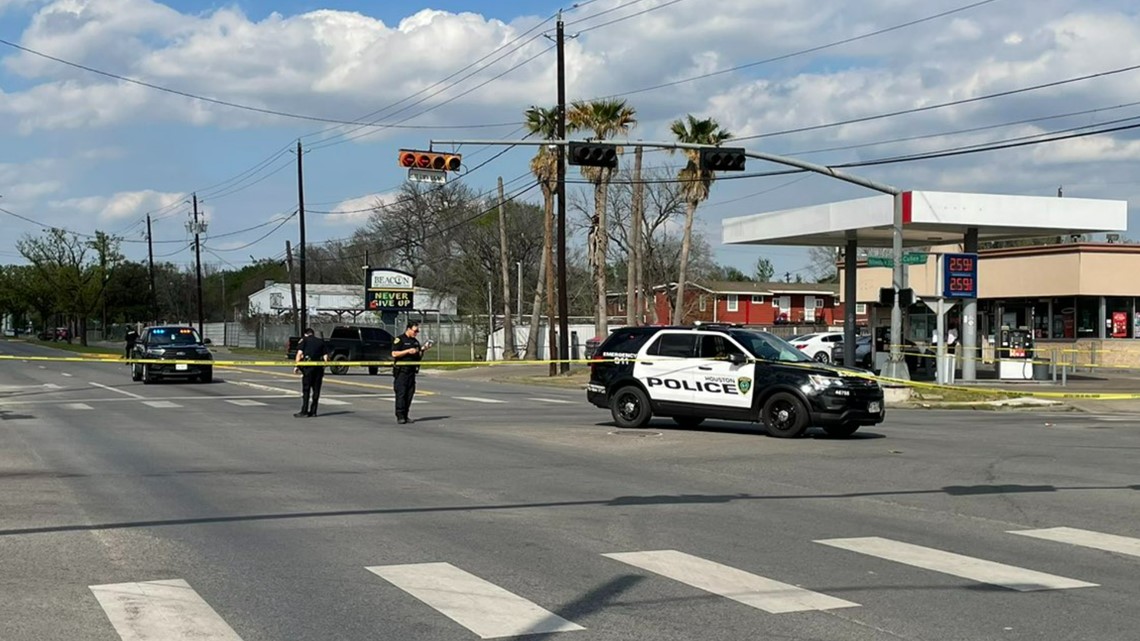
(695, 183)
(606, 119)
(764, 272)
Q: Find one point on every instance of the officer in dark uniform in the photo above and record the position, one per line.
(406, 349)
(132, 339)
(310, 348)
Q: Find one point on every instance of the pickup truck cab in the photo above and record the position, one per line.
(350, 343)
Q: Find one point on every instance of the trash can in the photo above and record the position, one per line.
(1041, 369)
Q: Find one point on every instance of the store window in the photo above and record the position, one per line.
(1088, 316)
(1064, 318)
(1119, 312)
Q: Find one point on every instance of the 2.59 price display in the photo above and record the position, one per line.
(960, 276)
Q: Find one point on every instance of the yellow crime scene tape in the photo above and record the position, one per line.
(1059, 363)
(111, 358)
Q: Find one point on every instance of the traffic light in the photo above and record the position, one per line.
(887, 297)
(593, 154)
(722, 159)
(413, 159)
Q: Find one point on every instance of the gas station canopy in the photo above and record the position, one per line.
(929, 218)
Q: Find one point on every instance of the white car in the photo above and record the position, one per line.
(818, 346)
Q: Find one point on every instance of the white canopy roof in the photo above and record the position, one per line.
(929, 218)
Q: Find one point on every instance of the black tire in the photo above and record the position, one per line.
(147, 377)
(373, 371)
(822, 357)
(339, 370)
(688, 421)
(841, 431)
(207, 375)
(630, 407)
(784, 415)
(136, 373)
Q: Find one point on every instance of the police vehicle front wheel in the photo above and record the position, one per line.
(630, 407)
(784, 415)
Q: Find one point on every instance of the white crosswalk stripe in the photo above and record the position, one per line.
(161, 611)
(77, 406)
(333, 401)
(161, 404)
(740, 586)
(478, 399)
(244, 402)
(551, 400)
(966, 567)
(1086, 538)
(478, 605)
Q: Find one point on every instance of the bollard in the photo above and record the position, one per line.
(1064, 376)
(1053, 364)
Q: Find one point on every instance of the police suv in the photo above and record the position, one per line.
(727, 372)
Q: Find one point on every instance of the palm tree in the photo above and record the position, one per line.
(605, 118)
(695, 185)
(543, 122)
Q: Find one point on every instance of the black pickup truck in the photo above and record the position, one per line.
(352, 343)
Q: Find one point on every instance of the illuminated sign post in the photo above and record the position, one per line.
(388, 290)
(960, 275)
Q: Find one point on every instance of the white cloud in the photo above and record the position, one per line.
(120, 206)
(355, 211)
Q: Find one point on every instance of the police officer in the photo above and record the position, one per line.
(310, 348)
(406, 349)
(132, 339)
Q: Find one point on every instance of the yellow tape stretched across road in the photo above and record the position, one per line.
(110, 358)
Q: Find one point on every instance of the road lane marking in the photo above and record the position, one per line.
(244, 402)
(266, 388)
(66, 374)
(161, 404)
(332, 401)
(1086, 538)
(1006, 576)
(168, 610)
(740, 586)
(477, 399)
(329, 379)
(480, 606)
(552, 400)
(116, 390)
(77, 406)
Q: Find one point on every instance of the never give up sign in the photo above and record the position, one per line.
(388, 290)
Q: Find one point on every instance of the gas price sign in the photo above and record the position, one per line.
(960, 275)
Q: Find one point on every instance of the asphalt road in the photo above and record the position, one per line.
(186, 511)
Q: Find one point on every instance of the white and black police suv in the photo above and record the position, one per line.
(727, 372)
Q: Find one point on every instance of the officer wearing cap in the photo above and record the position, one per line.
(406, 351)
(310, 348)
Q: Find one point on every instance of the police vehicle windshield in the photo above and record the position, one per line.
(769, 346)
(174, 336)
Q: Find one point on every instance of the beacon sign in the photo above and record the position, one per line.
(388, 290)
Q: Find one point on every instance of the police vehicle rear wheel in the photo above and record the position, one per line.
(688, 421)
(841, 431)
(784, 415)
(630, 407)
(339, 370)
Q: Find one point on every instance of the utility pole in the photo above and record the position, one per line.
(518, 291)
(301, 249)
(292, 289)
(198, 228)
(563, 297)
(153, 298)
(633, 273)
(508, 324)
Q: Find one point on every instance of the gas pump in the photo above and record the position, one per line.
(1015, 354)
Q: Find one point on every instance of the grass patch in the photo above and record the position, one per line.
(959, 396)
(76, 348)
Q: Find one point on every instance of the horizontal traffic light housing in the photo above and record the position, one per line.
(413, 159)
(723, 159)
(593, 154)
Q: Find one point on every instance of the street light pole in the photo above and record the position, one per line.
(518, 294)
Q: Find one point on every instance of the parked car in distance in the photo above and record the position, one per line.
(350, 343)
(817, 346)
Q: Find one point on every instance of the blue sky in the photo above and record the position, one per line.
(85, 152)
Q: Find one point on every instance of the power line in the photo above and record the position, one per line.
(267, 235)
(801, 52)
(633, 15)
(952, 103)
